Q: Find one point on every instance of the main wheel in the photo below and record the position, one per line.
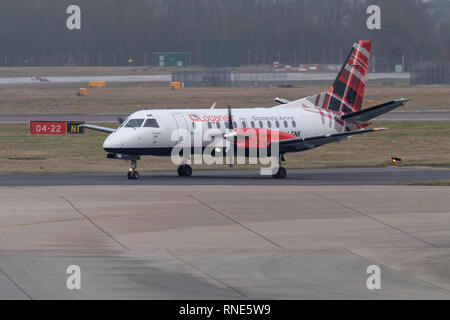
(187, 171)
(180, 171)
(281, 174)
(184, 171)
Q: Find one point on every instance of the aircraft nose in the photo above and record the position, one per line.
(113, 141)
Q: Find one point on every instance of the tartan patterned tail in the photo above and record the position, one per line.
(346, 94)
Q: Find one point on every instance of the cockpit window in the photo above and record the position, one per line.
(123, 122)
(151, 123)
(134, 123)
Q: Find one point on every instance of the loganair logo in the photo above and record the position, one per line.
(212, 118)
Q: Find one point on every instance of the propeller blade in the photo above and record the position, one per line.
(230, 127)
(230, 119)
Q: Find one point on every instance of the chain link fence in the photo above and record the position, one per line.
(294, 58)
(259, 79)
(224, 78)
(203, 78)
(431, 73)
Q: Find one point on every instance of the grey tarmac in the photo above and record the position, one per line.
(226, 235)
(390, 175)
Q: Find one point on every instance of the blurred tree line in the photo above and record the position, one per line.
(293, 31)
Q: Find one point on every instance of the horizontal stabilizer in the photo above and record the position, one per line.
(97, 128)
(281, 100)
(373, 112)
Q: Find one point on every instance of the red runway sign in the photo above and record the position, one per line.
(48, 127)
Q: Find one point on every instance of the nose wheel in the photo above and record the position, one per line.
(132, 173)
(185, 170)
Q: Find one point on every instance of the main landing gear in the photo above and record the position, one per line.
(185, 170)
(281, 173)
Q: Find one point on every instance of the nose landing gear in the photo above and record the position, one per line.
(132, 173)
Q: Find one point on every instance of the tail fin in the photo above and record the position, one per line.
(346, 93)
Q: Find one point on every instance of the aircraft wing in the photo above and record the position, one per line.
(97, 128)
(373, 112)
(299, 144)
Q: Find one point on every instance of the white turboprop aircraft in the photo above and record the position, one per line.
(297, 125)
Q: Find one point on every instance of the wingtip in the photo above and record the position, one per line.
(380, 129)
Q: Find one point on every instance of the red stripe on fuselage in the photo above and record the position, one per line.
(260, 138)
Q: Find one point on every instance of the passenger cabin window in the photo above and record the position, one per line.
(134, 123)
(151, 123)
(252, 123)
(294, 124)
(209, 125)
(218, 125)
(269, 124)
(277, 123)
(261, 125)
(244, 125)
(234, 124)
(285, 124)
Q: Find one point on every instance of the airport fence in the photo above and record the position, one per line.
(203, 78)
(431, 73)
(224, 78)
(259, 79)
(144, 58)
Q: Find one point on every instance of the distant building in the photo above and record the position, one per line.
(171, 59)
(221, 53)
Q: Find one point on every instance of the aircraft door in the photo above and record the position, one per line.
(181, 124)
